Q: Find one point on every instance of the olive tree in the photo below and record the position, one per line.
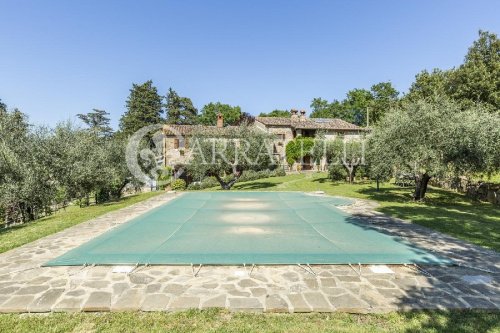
(349, 153)
(431, 138)
(26, 183)
(226, 153)
(378, 169)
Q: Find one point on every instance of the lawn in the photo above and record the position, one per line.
(19, 235)
(443, 210)
(223, 321)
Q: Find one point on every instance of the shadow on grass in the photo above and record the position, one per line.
(444, 211)
(470, 224)
(387, 194)
(466, 321)
(459, 321)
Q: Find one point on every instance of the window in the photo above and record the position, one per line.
(180, 143)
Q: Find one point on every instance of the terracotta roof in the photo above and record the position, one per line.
(275, 121)
(192, 129)
(310, 123)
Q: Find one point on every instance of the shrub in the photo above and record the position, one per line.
(337, 172)
(194, 186)
(298, 148)
(249, 175)
(164, 177)
(178, 185)
(279, 172)
(362, 171)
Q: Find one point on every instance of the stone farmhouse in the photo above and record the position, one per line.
(176, 137)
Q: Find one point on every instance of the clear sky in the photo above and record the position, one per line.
(59, 57)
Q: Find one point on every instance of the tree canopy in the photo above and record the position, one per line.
(98, 121)
(231, 114)
(379, 99)
(41, 168)
(433, 138)
(276, 113)
(180, 110)
(144, 107)
(476, 81)
(227, 155)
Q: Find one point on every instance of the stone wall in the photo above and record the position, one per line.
(481, 191)
(280, 144)
(485, 192)
(173, 156)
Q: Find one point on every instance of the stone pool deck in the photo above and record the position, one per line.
(25, 286)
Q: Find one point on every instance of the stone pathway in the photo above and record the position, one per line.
(27, 287)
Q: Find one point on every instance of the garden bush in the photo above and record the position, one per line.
(178, 185)
(337, 172)
(298, 148)
(279, 172)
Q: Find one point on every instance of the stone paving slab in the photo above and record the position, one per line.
(27, 287)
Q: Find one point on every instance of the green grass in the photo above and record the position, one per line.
(11, 238)
(443, 210)
(223, 321)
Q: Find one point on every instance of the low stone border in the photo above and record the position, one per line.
(27, 287)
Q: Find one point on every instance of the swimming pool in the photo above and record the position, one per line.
(233, 228)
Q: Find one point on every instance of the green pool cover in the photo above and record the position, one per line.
(246, 227)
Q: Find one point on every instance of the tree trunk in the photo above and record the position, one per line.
(351, 167)
(8, 216)
(421, 182)
(118, 193)
(227, 185)
(31, 213)
(12, 214)
(378, 184)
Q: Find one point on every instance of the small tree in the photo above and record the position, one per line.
(378, 169)
(349, 154)
(226, 154)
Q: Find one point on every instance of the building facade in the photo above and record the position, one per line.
(176, 137)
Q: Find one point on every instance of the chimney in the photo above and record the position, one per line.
(294, 114)
(220, 120)
(302, 115)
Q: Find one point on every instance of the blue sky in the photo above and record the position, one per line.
(59, 58)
